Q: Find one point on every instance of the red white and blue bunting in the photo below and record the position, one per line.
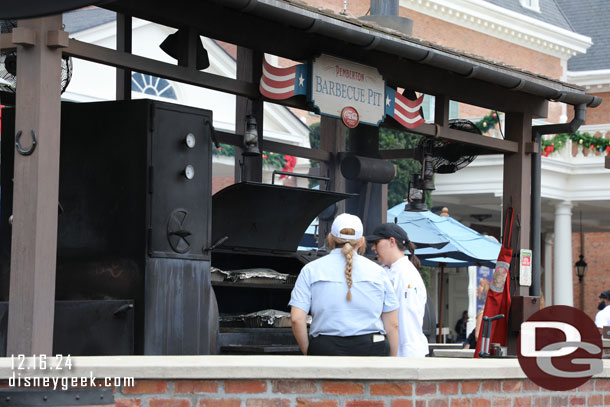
(282, 83)
(335, 86)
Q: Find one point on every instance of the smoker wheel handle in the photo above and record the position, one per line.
(22, 150)
(122, 310)
(216, 244)
(487, 323)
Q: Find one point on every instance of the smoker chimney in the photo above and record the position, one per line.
(385, 14)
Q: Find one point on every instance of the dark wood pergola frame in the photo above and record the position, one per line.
(278, 27)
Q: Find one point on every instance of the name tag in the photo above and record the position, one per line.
(378, 338)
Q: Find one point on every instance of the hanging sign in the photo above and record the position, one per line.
(353, 92)
(337, 83)
(525, 267)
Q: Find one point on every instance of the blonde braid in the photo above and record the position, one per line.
(347, 248)
(348, 252)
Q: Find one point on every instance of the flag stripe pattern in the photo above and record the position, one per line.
(282, 83)
(403, 110)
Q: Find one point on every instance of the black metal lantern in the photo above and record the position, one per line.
(251, 138)
(416, 197)
(581, 268)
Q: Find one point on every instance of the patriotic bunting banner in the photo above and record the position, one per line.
(282, 83)
(403, 110)
(344, 89)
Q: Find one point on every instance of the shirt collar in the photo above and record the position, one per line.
(398, 262)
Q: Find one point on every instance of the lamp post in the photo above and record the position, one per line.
(581, 266)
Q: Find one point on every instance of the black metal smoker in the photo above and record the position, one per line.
(133, 232)
(135, 235)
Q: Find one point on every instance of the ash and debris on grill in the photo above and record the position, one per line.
(245, 274)
(268, 318)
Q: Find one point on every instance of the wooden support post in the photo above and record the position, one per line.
(607, 163)
(441, 110)
(517, 190)
(35, 194)
(332, 139)
(364, 141)
(249, 68)
(123, 44)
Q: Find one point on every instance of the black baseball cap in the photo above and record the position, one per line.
(388, 230)
(605, 294)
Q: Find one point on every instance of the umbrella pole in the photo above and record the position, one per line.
(440, 308)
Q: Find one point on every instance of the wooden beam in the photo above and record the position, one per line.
(6, 42)
(517, 194)
(407, 153)
(300, 43)
(35, 194)
(441, 110)
(123, 44)
(127, 61)
(492, 145)
(275, 147)
(249, 69)
(607, 162)
(332, 139)
(107, 56)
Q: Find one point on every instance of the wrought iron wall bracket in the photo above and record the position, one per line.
(24, 151)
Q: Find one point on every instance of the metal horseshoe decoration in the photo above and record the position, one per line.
(22, 150)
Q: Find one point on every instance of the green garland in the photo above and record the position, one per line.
(556, 143)
(271, 159)
(585, 139)
(488, 122)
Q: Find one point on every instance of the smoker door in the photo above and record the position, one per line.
(181, 316)
(180, 176)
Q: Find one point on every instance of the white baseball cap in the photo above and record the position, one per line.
(347, 221)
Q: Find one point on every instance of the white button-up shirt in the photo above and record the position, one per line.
(602, 318)
(411, 292)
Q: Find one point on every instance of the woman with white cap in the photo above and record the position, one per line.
(351, 300)
(389, 244)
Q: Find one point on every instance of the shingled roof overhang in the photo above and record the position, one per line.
(298, 31)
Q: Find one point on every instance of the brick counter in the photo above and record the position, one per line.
(292, 381)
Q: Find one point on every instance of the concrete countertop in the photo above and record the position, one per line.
(283, 367)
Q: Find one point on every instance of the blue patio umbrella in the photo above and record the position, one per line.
(466, 246)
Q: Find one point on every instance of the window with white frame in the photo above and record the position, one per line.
(151, 85)
(531, 4)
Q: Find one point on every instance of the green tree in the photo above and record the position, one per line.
(394, 139)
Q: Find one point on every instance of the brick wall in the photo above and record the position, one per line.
(596, 279)
(598, 115)
(221, 182)
(322, 393)
(471, 41)
(455, 36)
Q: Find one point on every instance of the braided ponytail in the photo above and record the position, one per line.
(348, 247)
(348, 252)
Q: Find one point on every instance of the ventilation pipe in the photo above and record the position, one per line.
(537, 132)
(385, 14)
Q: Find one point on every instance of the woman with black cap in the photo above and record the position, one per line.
(351, 300)
(390, 242)
(602, 318)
